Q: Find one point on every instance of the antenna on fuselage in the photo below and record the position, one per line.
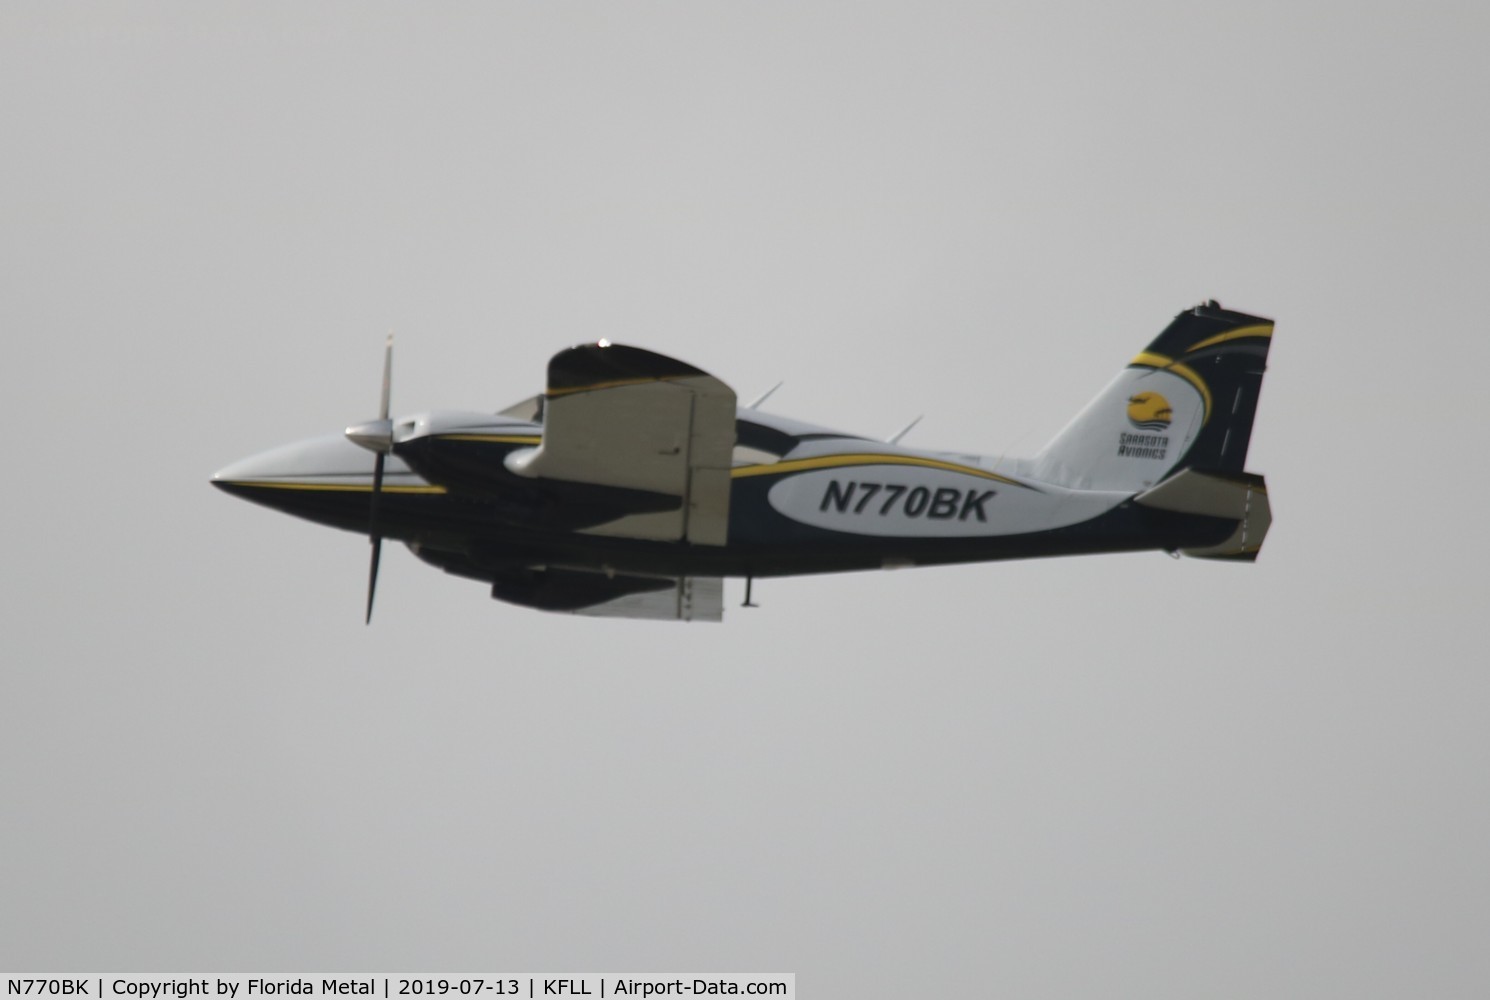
(895, 438)
(765, 395)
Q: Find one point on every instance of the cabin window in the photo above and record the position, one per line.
(746, 455)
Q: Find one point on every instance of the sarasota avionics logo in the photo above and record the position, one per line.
(1149, 411)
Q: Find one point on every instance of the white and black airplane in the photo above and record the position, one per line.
(634, 484)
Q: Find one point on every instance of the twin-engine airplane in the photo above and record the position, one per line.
(634, 484)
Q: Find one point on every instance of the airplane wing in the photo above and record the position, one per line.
(581, 592)
(685, 598)
(624, 417)
(588, 592)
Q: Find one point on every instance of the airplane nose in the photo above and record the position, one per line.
(326, 479)
(249, 477)
(246, 470)
(324, 460)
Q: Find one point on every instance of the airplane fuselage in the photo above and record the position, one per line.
(635, 483)
(819, 501)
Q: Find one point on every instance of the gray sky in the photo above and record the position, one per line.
(1118, 776)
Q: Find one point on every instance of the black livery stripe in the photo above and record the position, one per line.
(605, 366)
(865, 459)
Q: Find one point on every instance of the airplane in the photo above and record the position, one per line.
(635, 483)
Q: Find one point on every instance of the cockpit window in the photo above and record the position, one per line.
(757, 444)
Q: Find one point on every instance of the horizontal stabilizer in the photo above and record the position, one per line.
(1236, 496)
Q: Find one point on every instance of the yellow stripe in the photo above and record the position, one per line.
(1255, 330)
(1152, 360)
(493, 438)
(1185, 372)
(612, 385)
(338, 487)
(777, 468)
(838, 461)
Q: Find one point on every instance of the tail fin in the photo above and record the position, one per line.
(1187, 401)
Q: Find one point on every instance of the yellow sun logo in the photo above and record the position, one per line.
(1149, 411)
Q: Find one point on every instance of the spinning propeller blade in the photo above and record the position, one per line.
(373, 537)
(382, 445)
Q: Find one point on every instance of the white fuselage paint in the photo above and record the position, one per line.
(1103, 446)
(891, 499)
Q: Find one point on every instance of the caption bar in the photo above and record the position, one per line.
(159, 986)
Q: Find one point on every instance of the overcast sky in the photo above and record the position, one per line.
(1120, 776)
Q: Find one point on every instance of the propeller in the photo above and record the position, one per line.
(376, 436)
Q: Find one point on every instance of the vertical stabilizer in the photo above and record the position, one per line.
(1186, 401)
